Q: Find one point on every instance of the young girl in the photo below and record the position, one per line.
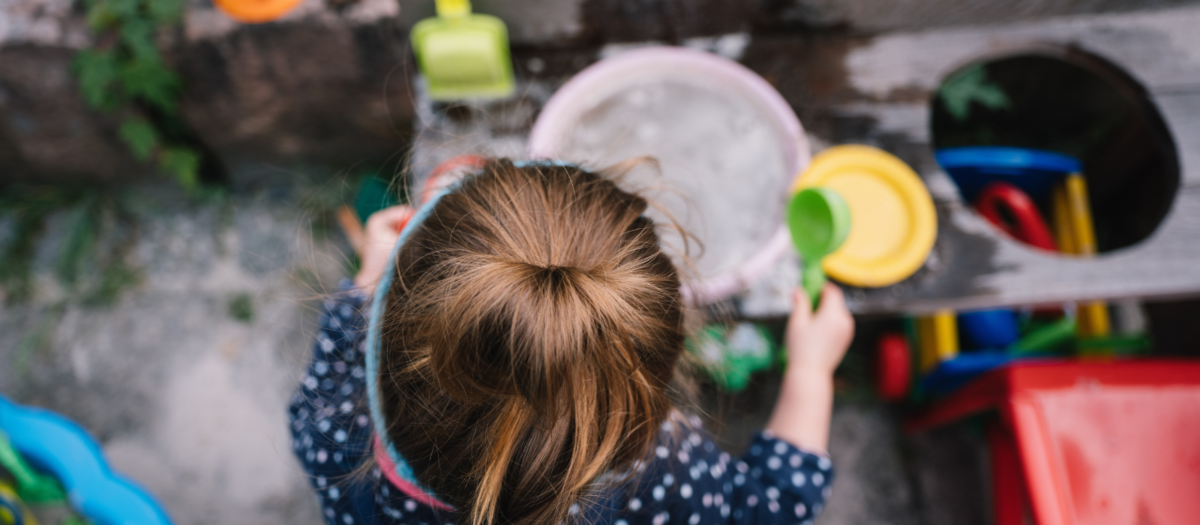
(526, 332)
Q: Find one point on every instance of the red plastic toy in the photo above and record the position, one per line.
(1082, 443)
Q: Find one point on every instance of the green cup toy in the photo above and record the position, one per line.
(819, 220)
(463, 55)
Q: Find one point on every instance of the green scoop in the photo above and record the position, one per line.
(819, 221)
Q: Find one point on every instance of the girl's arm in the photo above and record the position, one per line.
(816, 343)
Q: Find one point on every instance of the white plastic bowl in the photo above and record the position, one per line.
(608, 77)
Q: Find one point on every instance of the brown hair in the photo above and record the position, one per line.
(528, 341)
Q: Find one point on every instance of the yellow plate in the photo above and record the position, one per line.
(893, 221)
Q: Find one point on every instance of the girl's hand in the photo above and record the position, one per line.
(379, 238)
(817, 341)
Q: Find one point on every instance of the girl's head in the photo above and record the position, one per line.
(531, 330)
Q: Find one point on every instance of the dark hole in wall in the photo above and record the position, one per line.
(1069, 101)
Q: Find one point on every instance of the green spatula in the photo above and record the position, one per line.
(819, 220)
(463, 55)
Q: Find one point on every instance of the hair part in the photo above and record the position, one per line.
(528, 341)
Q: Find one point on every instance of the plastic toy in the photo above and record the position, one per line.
(1013, 211)
(1073, 218)
(730, 355)
(894, 221)
(61, 448)
(1082, 443)
(631, 70)
(819, 220)
(463, 55)
(1033, 171)
(256, 11)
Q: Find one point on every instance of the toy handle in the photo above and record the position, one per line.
(1011, 210)
(812, 279)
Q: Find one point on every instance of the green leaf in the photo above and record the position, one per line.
(152, 82)
(138, 36)
(971, 85)
(183, 163)
(97, 72)
(140, 136)
(104, 14)
(165, 12)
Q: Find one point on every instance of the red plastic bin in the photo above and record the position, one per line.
(1083, 443)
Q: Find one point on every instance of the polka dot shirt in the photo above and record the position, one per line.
(688, 480)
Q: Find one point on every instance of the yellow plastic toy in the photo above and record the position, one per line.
(894, 222)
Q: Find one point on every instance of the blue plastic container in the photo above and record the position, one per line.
(1034, 171)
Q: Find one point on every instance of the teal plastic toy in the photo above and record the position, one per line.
(819, 221)
(61, 448)
(463, 55)
(730, 355)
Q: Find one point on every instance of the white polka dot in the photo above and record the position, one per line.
(818, 479)
(794, 461)
(718, 499)
(752, 500)
(321, 482)
(334, 493)
(347, 519)
(361, 420)
(798, 479)
(329, 512)
(706, 499)
(772, 493)
(826, 492)
(661, 518)
(668, 479)
(774, 463)
(823, 463)
(683, 457)
(635, 504)
(574, 509)
(410, 505)
(324, 425)
(322, 456)
(620, 522)
(694, 519)
(346, 407)
(659, 492)
(694, 439)
(320, 367)
(773, 506)
(780, 448)
(716, 471)
(694, 472)
(339, 436)
(801, 510)
(739, 480)
(661, 452)
(685, 490)
(742, 466)
(724, 511)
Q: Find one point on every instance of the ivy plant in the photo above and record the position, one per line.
(124, 73)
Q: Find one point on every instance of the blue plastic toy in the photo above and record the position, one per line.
(60, 447)
(1033, 171)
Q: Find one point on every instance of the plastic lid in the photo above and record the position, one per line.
(894, 223)
(1007, 158)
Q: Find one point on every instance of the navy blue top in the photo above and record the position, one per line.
(689, 480)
